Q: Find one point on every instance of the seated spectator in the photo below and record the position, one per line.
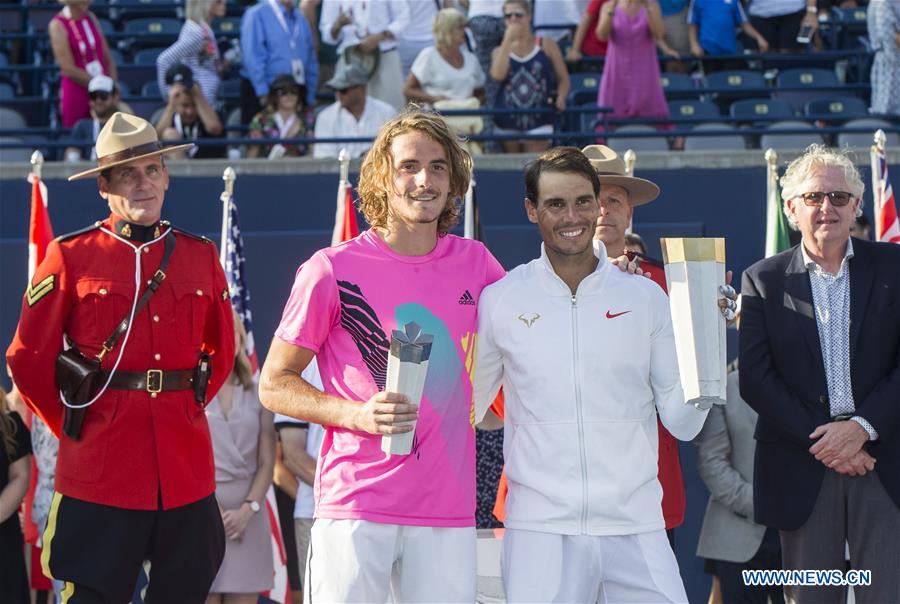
(630, 84)
(275, 39)
(284, 117)
(196, 47)
(585, 42)
(712, 26)
(779, 21)
(105, 100)
(884, 32)
(354, 114)
(532, 75)
(445, 71)
(189, 117)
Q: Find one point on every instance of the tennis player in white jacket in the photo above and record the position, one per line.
(586, 356)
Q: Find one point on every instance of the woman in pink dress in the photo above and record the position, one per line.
(81, 51)
(630, 85)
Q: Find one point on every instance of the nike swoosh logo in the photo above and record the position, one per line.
(610, 315)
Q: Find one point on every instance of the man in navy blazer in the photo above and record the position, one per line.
(820, 363)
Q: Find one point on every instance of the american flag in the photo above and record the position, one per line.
(887, 224)
(234, 264)
(232, 256)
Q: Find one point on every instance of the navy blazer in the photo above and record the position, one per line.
(783, 376)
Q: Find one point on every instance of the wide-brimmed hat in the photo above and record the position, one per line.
(123, 139)
(611, 170)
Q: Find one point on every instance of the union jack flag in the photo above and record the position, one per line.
(233, 262)
(887, 224)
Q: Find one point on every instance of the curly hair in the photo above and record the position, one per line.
(815, 157)
(377, 170)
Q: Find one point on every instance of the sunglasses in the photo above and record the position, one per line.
(99, 96)
(287, 91)
(817, 198)
(516, 15)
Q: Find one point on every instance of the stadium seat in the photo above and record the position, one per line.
(866, 139)
(729, 85)
(751, 110)
(106, 27)
(10, 119)
(124, 89)
(20, 154)
(147, 56)
(848, 26)
(694, 109)
(227, 27)
(234, 119)
(117, 56)
(150, 90)
(678, 85)
(725, 142)
(4, 61)
(7, 91)
(807, 84)
(150, 32)
(589, 81)
(623, 143)
(772, 140)
(837, 109)
(126, 10)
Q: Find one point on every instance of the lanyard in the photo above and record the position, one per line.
(82, 48)
(292, 35)
(192, 132)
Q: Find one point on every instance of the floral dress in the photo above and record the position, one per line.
(266, 124)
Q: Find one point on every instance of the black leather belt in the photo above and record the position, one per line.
(152, 381)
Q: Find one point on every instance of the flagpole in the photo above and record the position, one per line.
(771, 202)
(630, 158)
(877, 150)
(37, 163)
(337, 233)
(229, 177)
(469, 211)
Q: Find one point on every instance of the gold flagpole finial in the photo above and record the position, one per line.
(880, 139)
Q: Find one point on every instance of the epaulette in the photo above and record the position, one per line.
(86, 229)
(186, 233)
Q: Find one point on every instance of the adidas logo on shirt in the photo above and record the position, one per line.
(466, 299)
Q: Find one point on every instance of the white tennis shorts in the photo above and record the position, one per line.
(361, 561)
(547, 567)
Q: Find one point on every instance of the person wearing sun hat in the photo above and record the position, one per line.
(619, 195)
(135, 479)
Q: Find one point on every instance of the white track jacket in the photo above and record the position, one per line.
(583, 377)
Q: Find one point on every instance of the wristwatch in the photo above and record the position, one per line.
(254, 505)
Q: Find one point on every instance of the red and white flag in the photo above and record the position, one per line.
(345, 225)
(887, 224)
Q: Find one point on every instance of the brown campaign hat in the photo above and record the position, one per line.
(611, 170)
(123, 139)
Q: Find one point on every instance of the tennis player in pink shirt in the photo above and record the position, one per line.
(390, 527)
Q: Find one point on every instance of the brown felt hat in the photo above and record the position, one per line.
(611, 170)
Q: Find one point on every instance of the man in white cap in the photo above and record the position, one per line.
(105, 100)
(146, 317)
(586, 356)
(354, 114)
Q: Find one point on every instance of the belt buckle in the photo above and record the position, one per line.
(156, 374)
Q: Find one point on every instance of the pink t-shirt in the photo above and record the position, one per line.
(345, 303)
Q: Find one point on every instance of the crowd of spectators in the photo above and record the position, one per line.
(515, 58)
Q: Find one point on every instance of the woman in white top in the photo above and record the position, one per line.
(445, 71)
(196, 47)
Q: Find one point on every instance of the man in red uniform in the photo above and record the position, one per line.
(619, 195)
(137, 481)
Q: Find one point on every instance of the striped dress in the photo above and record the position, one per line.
(196, 47)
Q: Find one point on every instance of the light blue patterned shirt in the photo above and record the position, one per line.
(831, 303)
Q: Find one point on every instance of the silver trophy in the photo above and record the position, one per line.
(406, 372)
(695, 268)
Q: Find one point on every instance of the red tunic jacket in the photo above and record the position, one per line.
(136, 451)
